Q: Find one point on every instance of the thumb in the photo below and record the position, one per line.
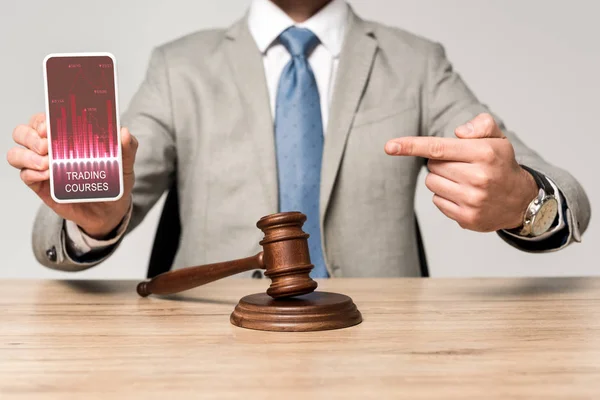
(481, 127)
(129, 146)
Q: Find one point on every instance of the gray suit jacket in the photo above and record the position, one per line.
(202, 116)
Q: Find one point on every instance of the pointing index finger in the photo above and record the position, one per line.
(446, 149)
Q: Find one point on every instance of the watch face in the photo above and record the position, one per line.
(545, 217)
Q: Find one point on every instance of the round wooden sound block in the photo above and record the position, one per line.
(316, 311)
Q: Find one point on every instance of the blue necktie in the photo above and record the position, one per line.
(299, 139)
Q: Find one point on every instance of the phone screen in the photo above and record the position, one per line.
(83, 128)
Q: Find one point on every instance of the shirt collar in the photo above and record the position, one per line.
(266, 22)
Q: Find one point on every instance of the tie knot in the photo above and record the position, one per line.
(299, 42)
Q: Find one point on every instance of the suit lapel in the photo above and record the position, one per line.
(352, 76)
(354, 68)
(247, 65)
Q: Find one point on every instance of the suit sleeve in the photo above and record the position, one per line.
(450, 103)
(149, 118)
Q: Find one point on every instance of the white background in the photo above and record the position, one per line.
(535, 62)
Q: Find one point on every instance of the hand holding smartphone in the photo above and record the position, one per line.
(78, 145)
(82, 117)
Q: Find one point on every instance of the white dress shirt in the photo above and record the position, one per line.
(266, 22)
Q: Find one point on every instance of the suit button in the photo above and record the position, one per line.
(257, 275)
(51, 254)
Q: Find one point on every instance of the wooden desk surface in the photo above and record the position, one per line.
(420, 339)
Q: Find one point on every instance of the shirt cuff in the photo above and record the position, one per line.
(79, 243)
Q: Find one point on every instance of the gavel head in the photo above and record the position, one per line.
(285, 254)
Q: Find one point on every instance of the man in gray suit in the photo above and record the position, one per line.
(302, 105)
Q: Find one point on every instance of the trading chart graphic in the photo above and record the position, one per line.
(83, 127)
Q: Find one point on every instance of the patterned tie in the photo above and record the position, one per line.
(299, 139)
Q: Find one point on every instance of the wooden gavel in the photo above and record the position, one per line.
(285, 257)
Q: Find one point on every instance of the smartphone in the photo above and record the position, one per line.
(82, 118)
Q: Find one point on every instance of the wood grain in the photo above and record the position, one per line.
(420, 339)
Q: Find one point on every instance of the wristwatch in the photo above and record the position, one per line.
(541, 212)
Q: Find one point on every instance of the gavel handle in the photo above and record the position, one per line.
(191, 277)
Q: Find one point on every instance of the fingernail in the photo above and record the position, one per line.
(393, 148)
(41, 126)
(465, 129)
